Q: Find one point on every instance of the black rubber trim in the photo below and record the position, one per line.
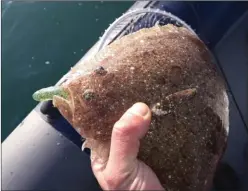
(49, 110)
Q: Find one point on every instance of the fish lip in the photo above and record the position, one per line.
(64, 105)
(58, 100)
(70, 104)
(65, 108)
(70, 99)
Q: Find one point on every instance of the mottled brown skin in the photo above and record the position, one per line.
(170, 70)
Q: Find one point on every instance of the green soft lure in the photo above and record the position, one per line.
(46, 94)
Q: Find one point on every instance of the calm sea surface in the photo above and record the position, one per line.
(40, 42)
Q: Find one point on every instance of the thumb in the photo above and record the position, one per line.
(126, 136)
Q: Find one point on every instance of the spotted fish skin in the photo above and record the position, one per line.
(171, 70)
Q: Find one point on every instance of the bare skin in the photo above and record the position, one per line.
(122, 170)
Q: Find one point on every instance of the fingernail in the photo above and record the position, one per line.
(139, 109)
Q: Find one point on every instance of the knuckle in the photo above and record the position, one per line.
(121, 129)
(112, 182)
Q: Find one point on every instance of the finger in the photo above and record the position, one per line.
(126, 134)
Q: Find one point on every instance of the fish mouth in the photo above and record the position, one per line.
(63, 106)
(68, 107)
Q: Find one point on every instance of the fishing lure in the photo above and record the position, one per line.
(46, 94)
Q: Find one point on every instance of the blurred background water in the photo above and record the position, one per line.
(40, 42)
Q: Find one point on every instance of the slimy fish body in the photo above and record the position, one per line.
(170, 69)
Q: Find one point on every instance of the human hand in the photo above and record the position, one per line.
(122, 170)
